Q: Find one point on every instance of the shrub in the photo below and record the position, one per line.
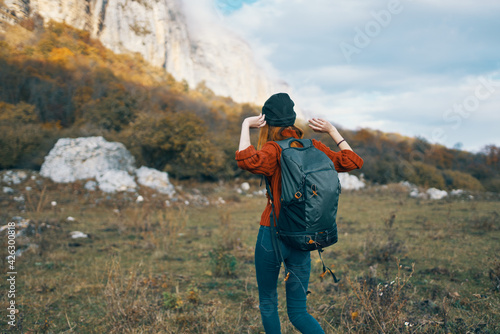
(23, 143)
(384, 248)
(379, 306)
(492, 184)
(172, 301)
(425, 175)
(175, 142)
(115, 109)
(223, 263)
(129, 303)
(460, 180)
(21, 113)
(494, 275)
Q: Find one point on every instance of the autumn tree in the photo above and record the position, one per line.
(174, 142)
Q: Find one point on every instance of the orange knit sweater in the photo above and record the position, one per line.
(266, 162)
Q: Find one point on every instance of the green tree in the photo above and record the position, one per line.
(115, 109)
(21, 138)
(175, 142)
(460, 180)
(425, 175)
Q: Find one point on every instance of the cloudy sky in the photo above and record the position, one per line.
(420, 68)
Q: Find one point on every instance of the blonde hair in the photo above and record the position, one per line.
(275, 133)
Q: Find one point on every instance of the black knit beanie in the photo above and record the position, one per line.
(279, 110)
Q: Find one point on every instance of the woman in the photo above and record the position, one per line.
(277, 123)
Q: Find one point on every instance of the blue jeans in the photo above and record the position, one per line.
(267, 267)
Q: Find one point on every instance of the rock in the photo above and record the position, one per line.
(196, 199)
(431, 193)
(92, 158)
(413, 190)
(109, 163)
(8, 190)
(415, 193)
(91, 185)
(350, 182)
(220, 201)
(139, 199)
(155, 179)
(261, 192)
(19, 198)
(436, 193)
(169, 34)
(14, 177)
(408, 185)
(78, 234)
(85, 158)
(116, 180)
(70, 219)
(457, 192)
(245, 186)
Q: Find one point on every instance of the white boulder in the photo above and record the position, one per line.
(14, 177)
(350, 182)
(74, 159)
(109, 163)
(245, 186)
(19, 198)
(431, 193)
(417, 194)
(436, 193)
(457, 192)
(78, 234)
(116, 180)
(91, 185)
(155, 179)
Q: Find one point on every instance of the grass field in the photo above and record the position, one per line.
(406, 265)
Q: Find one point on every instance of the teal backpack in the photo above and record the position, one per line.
(310, 190)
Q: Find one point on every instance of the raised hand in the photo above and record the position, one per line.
(250, 122)
(255, 121)
(320, 125)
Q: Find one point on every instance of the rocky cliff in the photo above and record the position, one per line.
(158, 29)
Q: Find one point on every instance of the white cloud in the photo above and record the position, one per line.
(424, 58)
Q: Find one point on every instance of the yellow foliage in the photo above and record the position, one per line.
(461, 180)
(60, 55)
(16, 35)
(186, 131)
(20, 113)
(52, 125)
(426, 175)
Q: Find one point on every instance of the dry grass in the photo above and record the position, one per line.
(406, 265)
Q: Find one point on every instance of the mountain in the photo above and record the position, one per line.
(159, 31)
(57, 82)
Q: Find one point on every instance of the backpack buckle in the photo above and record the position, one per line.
(314, 190)
(298, 195)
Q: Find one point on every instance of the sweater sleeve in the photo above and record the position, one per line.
(263, 162)
(344, 161)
